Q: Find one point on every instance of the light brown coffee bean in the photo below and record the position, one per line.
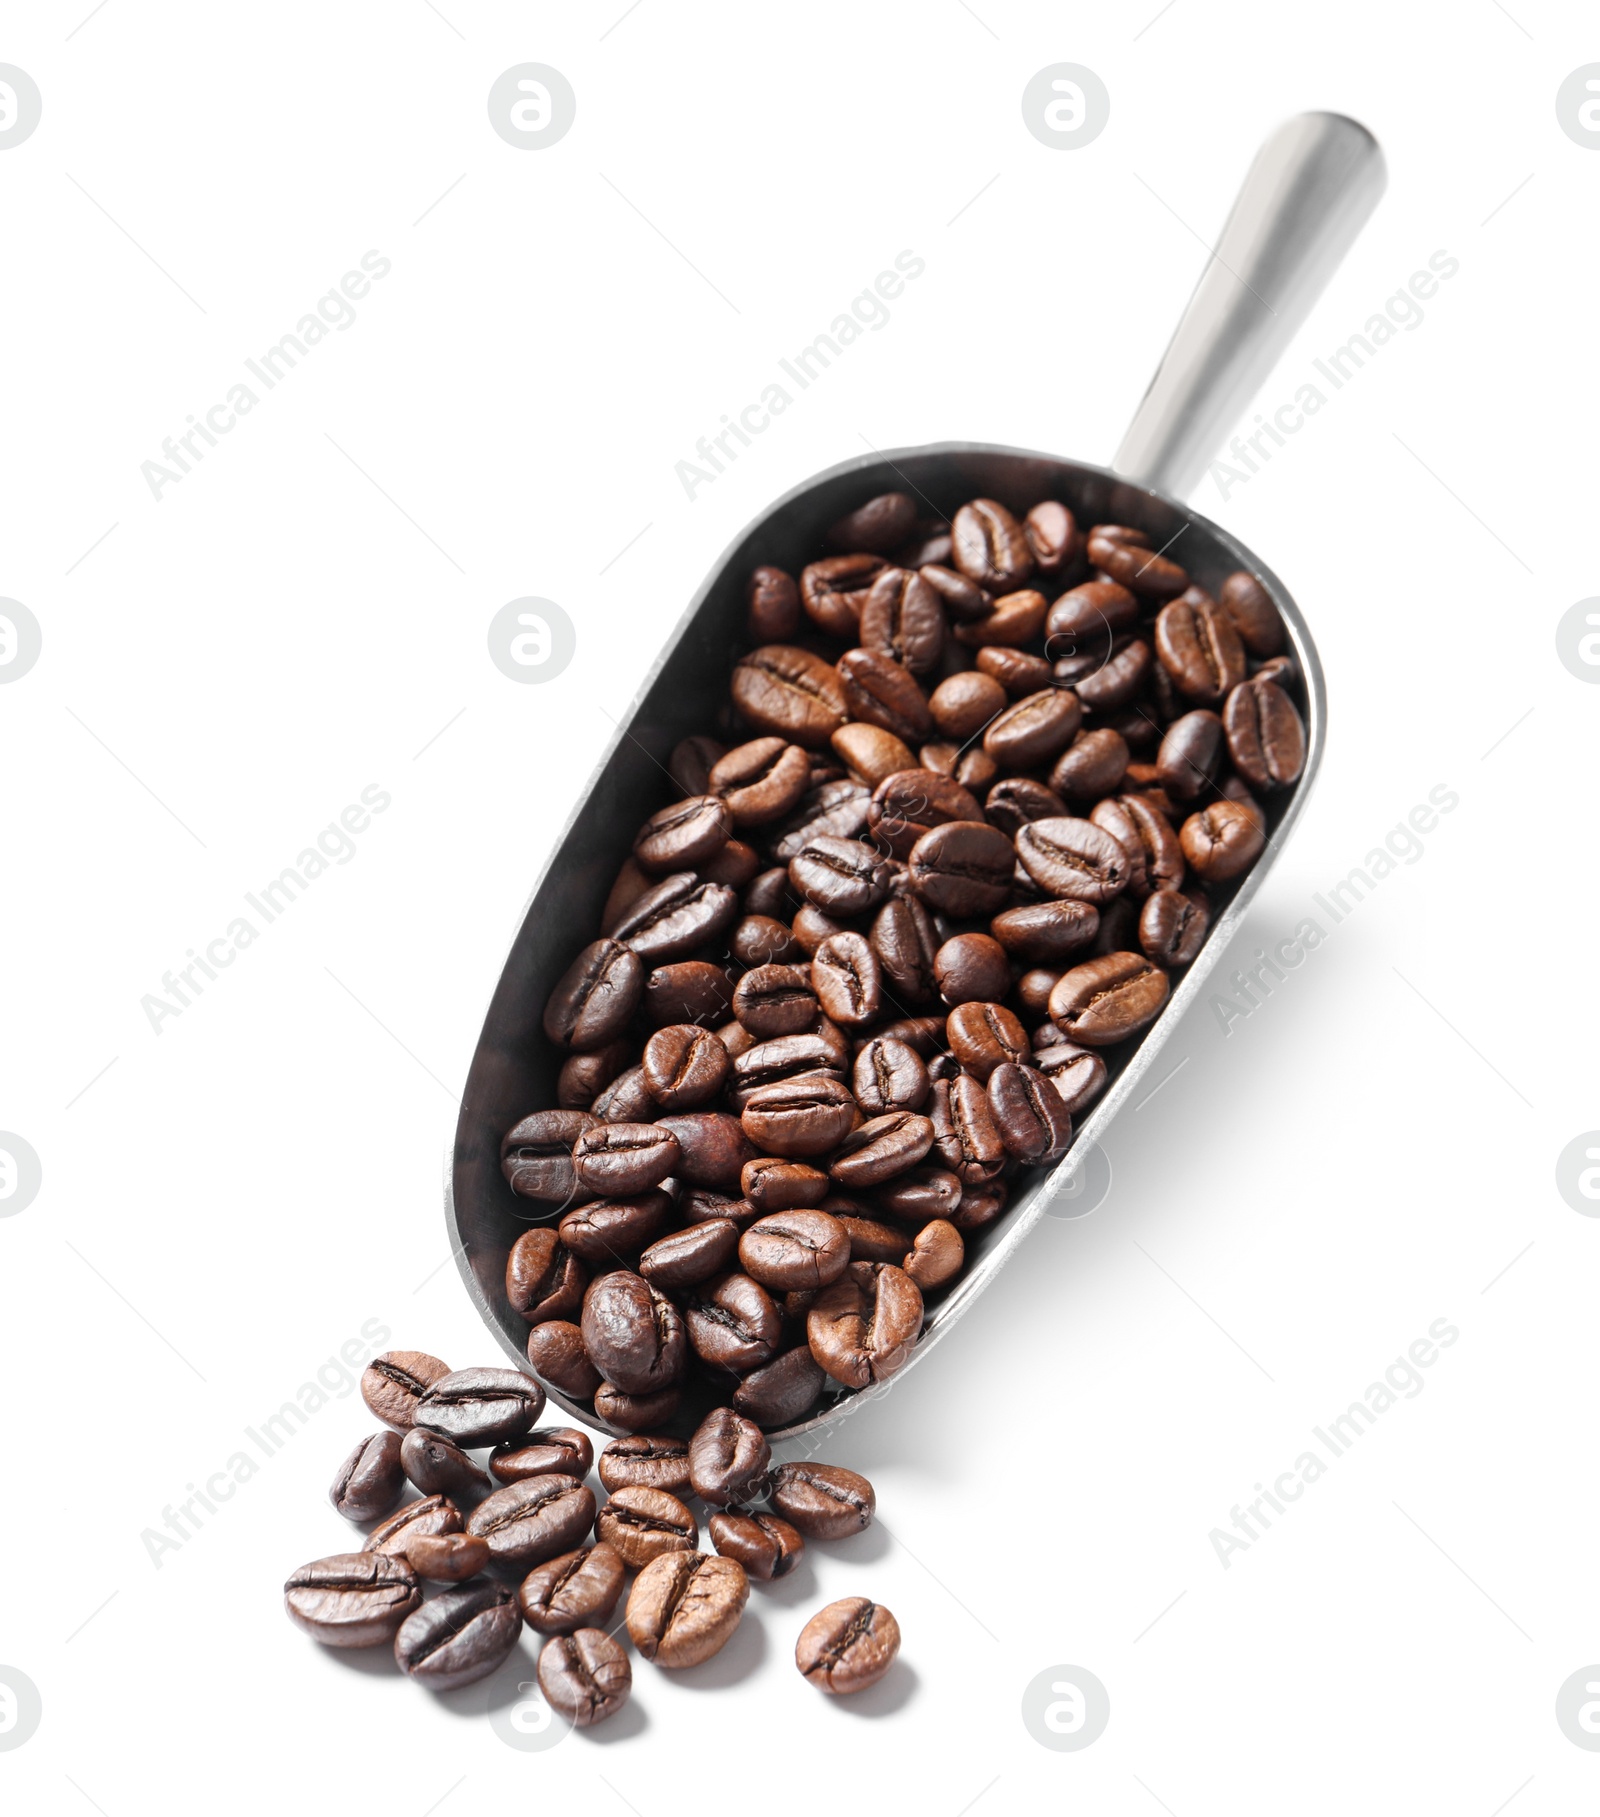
(684, 1607)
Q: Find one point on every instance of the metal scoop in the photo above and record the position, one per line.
(1306, 196)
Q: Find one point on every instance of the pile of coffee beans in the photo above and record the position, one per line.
(978, 791)
(518, 1539)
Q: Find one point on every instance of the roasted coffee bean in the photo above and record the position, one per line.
(772, 613)
(842, 877)
(979, 1206)
(447, 1558)
(772, 1062)
(689, 991)
(636, 1412)
(766, 1546)
(903, 618)
(647, 1461)
(678, 837)
(1252, 614)
(914, 1197)
(1017, 618)
(872, 753)
(684, 1066)
(393, 1383)
(1073, 858)
(1109, 680)
(962, 705)
(871, 1241)
(964, 1131)
(1053, 536)
(847, 1646)
(641, 1524)
(690, 1256)
(929, 542)
(675, 917)
(434, 1514)
(733, 1324)
(610, 1233)
(983, 1035)
(734, 865)
(1015, 801)
(525, 1523)
(972, 968)
(989, 546)
(803, 1116)
(1034, 731)
(706, 1207)
(812, 927)
(889, 1075)
(631, 882)
(438, 1465)
(551, 1451)
(1105, 1000)
(782, 689)
(1016, 671)
(370, 1479)
(825, 1501)
(618, 1160)
(924, 1035)
(596, 996)
(1131, 564)
(1091, 766)
(1172, 928)
(1078, 1074)
(1222, 841)
(1191, 756)
(775, 1000)
(964, 600)
(459, 1637)
(577, 1590)
(626, 1099)
(833, 592)
(555, 1349)
(881, 524)
(834, 810)
(536, 1159)
(847, 980)
(862, 1329)
(689, 766)
(480, 1406)
(1266, 738)
(684, 1607)
(1148, 838)
(584, 1076)
(962, 869)
(904, 943)
(774, 1185)
(882, 693)
(763, 940)
(794, 1250)
(761, 781)
(729, 1459)
(911, 802)
(937, 1254)
(632, 1333)
(879, 1150)
(585, 1676)
(781, 1391)
(1029, 1114)
(1084, 622)
(712, 1148)
(353, 1599)
(1199, 648)
(1043, 933)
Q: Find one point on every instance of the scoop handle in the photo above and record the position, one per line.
(1306, 197)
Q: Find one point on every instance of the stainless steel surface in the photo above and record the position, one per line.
(1306, 197)
(514, 1068)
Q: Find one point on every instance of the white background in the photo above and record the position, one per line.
(1374, 1149)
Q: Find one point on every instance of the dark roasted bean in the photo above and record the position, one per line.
(766, 1546)
(1172, 928)
(1053, 536)
(903, 618)
(1266, 738)
(1029, 1114)
(872, 753)
(936, 1255)
(415, 1520)
(847, 1646)
(621, 1159)
(728, 1459)
(773, 1184)
(1110, 679)
(842, 877)
(712, 1148)
(438, 1465)
(680, 836)
(626, 1099)
(528, 1522)
(862, 1328)
(763, 940)
(370, 1479)
(1016, 671)
(353, 1599)
(1077, 1073)
(962, 869)
(825, 1501)
(684, 1607)
(1034, 731)
(1252, 614)
(1042, 933)
(536, 1159)
(551, 1451)
(584, 1076)
(733, 1324)
(1149, 575)
(447, 1558)
(684, 1066)
(689, 766)
(964, 1131)
(1105, 1000)
(781, 1391)
(792, 1250)
(577, 1590)
(676, 916)
(847, 980)
(772, 613)
(633, 1334)
(555, 1349)
(585, 1676)
(610, 1233)
(803, 1116)
(914, 1197)
(1091, 766)
(480, 1406)
(395, 1381)
(964, 600)
(689, 991)
(782, 689)
(889, 1075)
(1200, 650)
(636, 1412)
(983, 1035)
(879, 1150)
(833, 592)
(1222, 841)
(761, 781)
(1073, 858)
(687, 1257)
(646, 1461)
(641, 1524)
(989, 546)
(596, 996)
(459, 1637)
(1191, 756)
(972, 968)
(774, 1000)
(881, 524)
